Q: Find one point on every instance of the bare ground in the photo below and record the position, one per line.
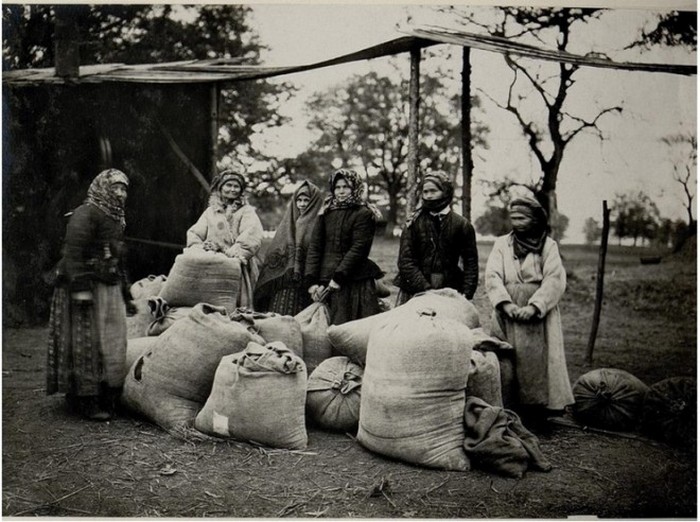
(55, 464)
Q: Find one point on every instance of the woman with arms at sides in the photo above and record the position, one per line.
(231, 226)
(525, 280)
(338, 257)
(87, 328)
(279, 288)
(434, 242)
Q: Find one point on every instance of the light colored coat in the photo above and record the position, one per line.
(236, 234)
(539, 280)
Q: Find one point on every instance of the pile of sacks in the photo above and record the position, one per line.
(421, 383)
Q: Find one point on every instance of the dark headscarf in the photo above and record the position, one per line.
(532, 239)
(356, 191)
(101, 194)
(286, 254)
(215, 198)
(444, 183)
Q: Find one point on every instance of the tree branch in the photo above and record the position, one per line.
(567, 137)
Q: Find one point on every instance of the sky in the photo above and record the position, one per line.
(631, 158)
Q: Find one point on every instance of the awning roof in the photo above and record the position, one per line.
(222, 70)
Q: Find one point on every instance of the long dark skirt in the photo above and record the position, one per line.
(288, 301)
(355, 300)
(87, 342)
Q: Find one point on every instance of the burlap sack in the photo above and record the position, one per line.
(141, 290)
(199, 276)
(350, 339)
(147, 287)
(413, 391)
(272, 328)
(485, 378)
(670, 411)
(165, 321)
(333, 394)
(135, 348)
(171, 382)
(258, 395)
(314, 321)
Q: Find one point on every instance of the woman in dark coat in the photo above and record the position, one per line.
(279, 288)
(338, 257)
(434, 242)
(87, 328)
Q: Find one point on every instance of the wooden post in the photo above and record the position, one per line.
(467, 161)
(599, 282)
(66, 43)
(413, 107)
(214, 129)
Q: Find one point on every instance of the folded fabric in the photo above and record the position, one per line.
(496, 440)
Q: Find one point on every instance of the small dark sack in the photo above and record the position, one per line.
(609, 398)
(669, 411)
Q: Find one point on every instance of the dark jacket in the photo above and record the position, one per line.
(430, 245)
(93, 250)
(339, 247)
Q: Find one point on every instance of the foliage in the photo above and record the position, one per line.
(493, 222)
(636, 216)
(672, 29)
(592, 230)
(363, 124)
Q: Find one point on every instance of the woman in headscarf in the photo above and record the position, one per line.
(433, 243)
(87, 328)
(525, 280)
(231, 226)
(279, 287)
(337, 263)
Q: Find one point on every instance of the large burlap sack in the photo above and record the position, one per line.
(333, 394)
(199, 276)
(314, 321)
(258, 395)
(272, 328)
(413, 391)
(609, 398)
(669, 411)
(164, 315)
(141, 291)
(351, 338)
(171, 382)
(485, 378)
(135, 348)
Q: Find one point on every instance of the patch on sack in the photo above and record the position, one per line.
(220, 424)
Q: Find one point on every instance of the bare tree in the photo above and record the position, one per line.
(551, 128)
(684, 167)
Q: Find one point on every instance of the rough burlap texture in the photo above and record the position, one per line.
(413, 390)
(141, 290)
(485, 378)
(272, 328)
(167, 319)
(258, 395)
(351, 338)
(198, 276)
(314, 321)
(333, 394)
(135, 348)
(171, 382)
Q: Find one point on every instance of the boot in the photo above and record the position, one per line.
(92, 410)
(109, 399)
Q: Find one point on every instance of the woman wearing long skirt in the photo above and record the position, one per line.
(525, 280)
(337, 263)
(279, 288)
(87, 327)
(231, 226)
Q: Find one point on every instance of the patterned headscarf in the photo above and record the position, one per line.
(532, 239)
(444, 183)
(356, 191)
(101, 194)
(215, 198)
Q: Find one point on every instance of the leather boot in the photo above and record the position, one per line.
(92, 410)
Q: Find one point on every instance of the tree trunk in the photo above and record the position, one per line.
(392, 214)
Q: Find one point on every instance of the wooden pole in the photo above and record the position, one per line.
(214, 130)
(413, 107)
(599, 282)
(467, 161)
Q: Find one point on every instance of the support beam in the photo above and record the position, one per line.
(214, 129)
(467, 161)
(412, 181)
(599, 283)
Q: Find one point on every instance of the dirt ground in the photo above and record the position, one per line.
(55, 464)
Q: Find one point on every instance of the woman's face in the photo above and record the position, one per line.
(302, 202)
(431, 192)
(520, 222)
(342, 190)
(119, 191)
(231, 190)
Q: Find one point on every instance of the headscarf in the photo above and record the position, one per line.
(101, 194)
(216, 200)
(444, 183)
(532, 239)
(357, 197)
(286, 253)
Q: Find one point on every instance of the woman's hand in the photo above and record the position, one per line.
(510, 309)
(333, 286)
(526, 313)
(209, 246)
(315, 292)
